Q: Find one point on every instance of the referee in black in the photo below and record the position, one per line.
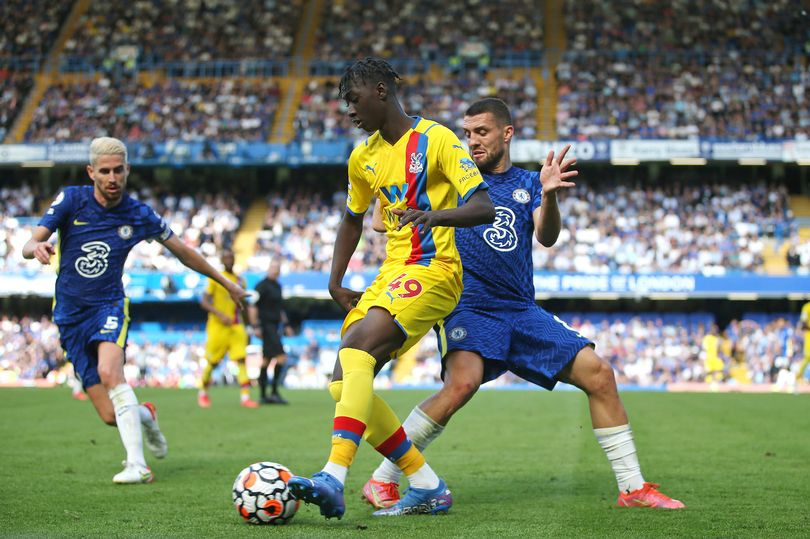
(266, 316)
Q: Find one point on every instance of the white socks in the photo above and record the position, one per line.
(621, 452)
(424, 477)
(128, 416)
(421, 430)
(337, 471)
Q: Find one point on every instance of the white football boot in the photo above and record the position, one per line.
(132, 474)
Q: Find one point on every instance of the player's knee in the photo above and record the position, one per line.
(460, 390)
(602, 380)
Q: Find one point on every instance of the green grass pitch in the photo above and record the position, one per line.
(519, 463)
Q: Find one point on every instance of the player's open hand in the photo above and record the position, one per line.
(345, 297)
(422, 219)
(238, 294)
(43, 252)
(555, 172)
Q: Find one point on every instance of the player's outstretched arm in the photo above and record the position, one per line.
(477, 210)
(192, 260)
(38, 246)
(553, 177)
(348, 235)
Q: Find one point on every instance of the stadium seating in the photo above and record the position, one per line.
(224, 109)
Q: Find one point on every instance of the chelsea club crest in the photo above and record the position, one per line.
(457, 333)
(124, 232)
(521, 195)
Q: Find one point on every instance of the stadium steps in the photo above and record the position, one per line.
(800, 205)
(244, 244)
(43, 80)
(554, 44)
(292, 88)
(774, 257)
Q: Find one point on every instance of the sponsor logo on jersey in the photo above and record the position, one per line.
(502, 235)
(94, 262)
(521, 195)
(124, 232)
(466, 164)
(416, 163)
(458, 333)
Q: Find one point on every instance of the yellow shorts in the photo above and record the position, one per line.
(713, 365)
(221, 340)
(416, 296)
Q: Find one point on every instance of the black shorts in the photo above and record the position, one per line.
(271, 342)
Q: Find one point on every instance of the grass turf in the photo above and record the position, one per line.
(519, 463)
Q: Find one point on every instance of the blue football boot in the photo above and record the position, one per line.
(323, 490)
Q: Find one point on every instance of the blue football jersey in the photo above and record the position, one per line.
(93, 245)
(497, 257)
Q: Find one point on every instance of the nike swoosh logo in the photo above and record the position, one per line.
(80, 223)
(106, 331)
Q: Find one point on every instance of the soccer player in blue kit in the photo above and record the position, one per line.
(98, 225)
(497, 326)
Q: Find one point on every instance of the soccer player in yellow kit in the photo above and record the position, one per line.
(225, 334)
(418, 170)
(804, 326)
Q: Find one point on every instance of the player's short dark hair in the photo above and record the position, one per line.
(493, 105)
(368, 70)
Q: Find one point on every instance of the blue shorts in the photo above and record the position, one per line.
(80, 340)
(527, 341)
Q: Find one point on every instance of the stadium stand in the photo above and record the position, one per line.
(223, 109)
(713, 70)
(151, 33)
(28, 29)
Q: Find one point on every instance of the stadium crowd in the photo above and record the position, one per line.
(28, 28)
(196, 110)
(644, 350)
(398, 29)
(717, 69)
(14, 86)
(112, 33)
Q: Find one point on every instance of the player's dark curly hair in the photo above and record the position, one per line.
(367, 70)
(493, 105)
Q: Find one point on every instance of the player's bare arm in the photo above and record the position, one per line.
(477, 210)
(194, 261)
(38, 246)
(376, 218)
(553, 176)
(348, 235)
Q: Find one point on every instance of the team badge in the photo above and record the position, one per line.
(521, 195)
(466, 164)
(457, 333)
(124, 232)
(416, 163)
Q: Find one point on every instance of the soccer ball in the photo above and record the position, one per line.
(261, 496)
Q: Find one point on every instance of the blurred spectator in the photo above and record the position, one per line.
(227, 109)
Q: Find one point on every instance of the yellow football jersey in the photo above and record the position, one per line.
(222, 301)
(427, 169)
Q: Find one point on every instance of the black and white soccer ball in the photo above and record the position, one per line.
(261, 496)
